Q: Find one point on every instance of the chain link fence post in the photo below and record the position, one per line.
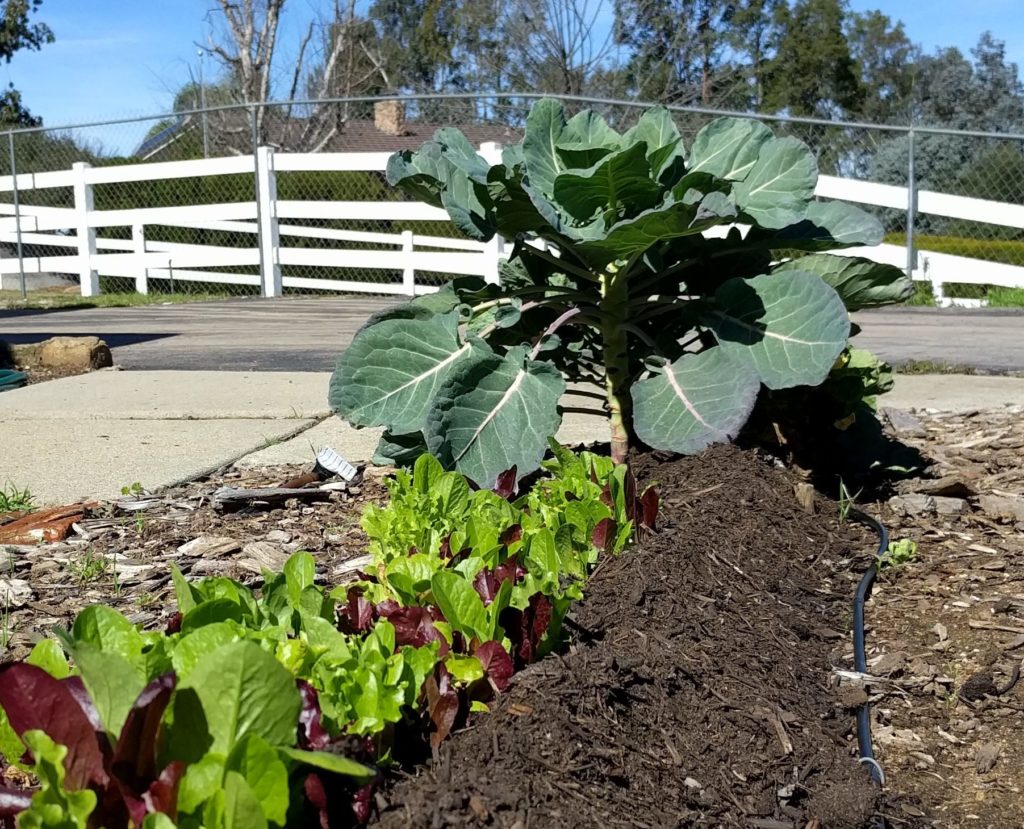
(268, 230)
(911, 205)
(254, 138)
(17, 217)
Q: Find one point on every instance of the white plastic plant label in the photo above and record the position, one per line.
(329, 459)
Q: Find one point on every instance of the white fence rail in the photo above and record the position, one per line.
(274, 224)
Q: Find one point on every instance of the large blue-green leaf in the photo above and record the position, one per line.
(458, 152)
(658, 131)
(776, 191)
(585, 140)
(494, 413)
(399, 450)
(544, 127)
(619, 182)
(728, 147)
(791, 327)
(448, 173)
(390, 373)
(698, 400)
(469, 206)
(521, 209)
(676, 219)
(825, 226)
(860, 283)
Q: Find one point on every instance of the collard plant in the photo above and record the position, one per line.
(680, 280)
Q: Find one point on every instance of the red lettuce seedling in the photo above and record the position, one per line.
(125, 777)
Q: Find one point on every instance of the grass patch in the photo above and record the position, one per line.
(45, 300)
(1007, 251)
(923, 296)
(13, 499)
(999, 297)
(932, 367)
(88, 567)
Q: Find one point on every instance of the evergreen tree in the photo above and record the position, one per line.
(678, 49)
(885, 65)
(813, 72)
(18, 32)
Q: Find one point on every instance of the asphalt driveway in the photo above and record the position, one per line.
(307, 334)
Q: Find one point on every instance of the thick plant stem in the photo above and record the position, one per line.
(614, 305)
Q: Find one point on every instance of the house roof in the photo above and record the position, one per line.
(363, 136)
(357, 135)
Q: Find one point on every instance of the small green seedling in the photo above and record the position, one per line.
(89, 567)
(898, 553)
(846, 501)
(134, 488)
(13, 499)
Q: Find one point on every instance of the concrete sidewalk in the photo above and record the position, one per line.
(89, 436)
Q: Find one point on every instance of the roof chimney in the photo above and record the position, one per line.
(389, 116)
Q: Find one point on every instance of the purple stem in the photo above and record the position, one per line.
(551, 329)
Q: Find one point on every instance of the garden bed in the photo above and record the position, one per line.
(684, 677)
(698, 688)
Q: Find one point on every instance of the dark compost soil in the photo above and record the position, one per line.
(697, 689)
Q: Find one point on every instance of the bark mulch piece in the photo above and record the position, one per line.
(698, 690)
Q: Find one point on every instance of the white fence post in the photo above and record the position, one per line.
(409, 270)
(269, 236)
(491, 152)
(88, 277)
(142, 272)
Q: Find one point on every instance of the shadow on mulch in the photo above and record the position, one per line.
(697, 689)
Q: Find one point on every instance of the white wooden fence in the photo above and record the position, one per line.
(269, 220)
(266, 218)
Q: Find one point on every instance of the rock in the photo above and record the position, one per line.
(1002, 506)
(949, 506)
(979, 686)
(76, 353)
(915, 504)
(889, 664)
(14, 593)
(904, 424)
(986, 757)
(852, 696)
(22, 355)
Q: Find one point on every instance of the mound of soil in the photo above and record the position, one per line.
(696, 690)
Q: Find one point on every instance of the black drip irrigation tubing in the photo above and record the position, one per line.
(860, 662)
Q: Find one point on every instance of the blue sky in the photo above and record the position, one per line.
(115, 58)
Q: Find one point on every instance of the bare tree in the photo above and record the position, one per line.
(246, 49)
(350, 64)
(557, 43)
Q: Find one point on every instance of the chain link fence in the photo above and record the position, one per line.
(151, 225)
